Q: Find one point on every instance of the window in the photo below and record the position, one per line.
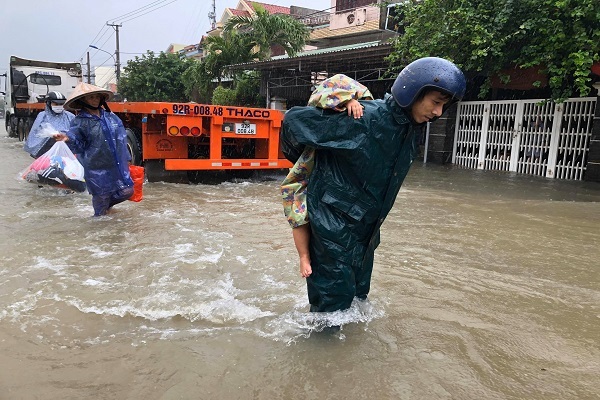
(43, 79)
(395, 18)
(349, 5)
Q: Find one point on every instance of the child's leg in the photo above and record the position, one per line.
(301, 235)
(293, 189)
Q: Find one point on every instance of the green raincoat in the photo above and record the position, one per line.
(359, 167)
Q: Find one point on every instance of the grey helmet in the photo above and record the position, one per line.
(55, 97)
(428, 72)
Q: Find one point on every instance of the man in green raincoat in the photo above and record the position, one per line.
(359, 166)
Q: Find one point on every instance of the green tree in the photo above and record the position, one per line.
(231, 48)
(247, 88)
(223, 96)
(266, 30)
(198, 82)
(155, 78)
(200, 78)
(486, 36)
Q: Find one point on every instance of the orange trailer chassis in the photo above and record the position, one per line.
(191, 137)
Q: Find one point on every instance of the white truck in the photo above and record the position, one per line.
(26, 84)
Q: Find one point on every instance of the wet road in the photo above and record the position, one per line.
(486, 286)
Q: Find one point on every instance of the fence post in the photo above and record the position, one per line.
(485, 125)
(554, 137)
(516, 137)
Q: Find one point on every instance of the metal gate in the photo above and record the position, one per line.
(533, 137)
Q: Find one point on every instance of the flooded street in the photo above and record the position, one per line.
(486, 286)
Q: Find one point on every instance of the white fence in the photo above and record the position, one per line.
(526, 136)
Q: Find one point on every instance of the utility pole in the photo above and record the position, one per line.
(117, 52)
(212, 16)
(89, 73)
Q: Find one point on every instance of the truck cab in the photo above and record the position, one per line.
(2, 102)
(27, 82)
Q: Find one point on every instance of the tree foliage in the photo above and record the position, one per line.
(198, 82)
(169, 77)
(201, 77)
(223, 96)
(486, 36)
(266, 30)
(248, 90)
(231, 48)
(154, 78)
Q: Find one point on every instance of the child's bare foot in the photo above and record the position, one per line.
(305, 268)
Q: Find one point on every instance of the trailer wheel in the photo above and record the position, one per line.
(21, 129)
(11, 126)
(134, 147)
(28, 126)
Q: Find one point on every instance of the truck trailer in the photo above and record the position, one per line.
(185, 139)
(174, 141)
(179, 140)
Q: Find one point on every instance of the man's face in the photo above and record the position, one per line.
(430, 106)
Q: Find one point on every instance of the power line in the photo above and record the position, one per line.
(154, 9)
(133, 14)
(92, 42)
(139, 12)
(126, 15)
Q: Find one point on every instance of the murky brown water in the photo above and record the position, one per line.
(486, 286)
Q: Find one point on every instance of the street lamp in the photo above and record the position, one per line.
(117, 66)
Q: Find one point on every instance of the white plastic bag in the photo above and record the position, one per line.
(57, 167)
(47, 131)
(40, 140)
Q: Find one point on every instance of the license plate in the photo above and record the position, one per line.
(245, 129)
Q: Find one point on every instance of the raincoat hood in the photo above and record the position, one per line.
(37, 143)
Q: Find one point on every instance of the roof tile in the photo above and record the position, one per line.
(237, 12)
(271, 8)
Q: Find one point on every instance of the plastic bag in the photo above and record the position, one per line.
(137, 175)
(57, 167)
(47, 131)
(40, 141)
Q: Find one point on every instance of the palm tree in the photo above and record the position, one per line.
(266, 30)
(229, 49)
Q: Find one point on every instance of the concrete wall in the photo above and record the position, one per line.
(592, 172)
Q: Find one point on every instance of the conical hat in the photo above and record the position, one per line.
(83, 89)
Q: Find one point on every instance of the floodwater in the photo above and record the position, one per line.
(486, 286)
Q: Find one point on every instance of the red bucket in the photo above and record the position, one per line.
(137, 175)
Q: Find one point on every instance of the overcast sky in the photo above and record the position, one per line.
(61, 30)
